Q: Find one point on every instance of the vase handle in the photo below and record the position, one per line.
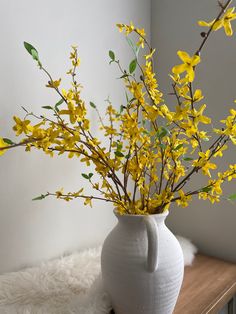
(152, 235)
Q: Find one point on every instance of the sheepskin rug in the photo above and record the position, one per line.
(69, 285)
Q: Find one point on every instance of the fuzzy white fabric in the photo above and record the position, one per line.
(69, 285)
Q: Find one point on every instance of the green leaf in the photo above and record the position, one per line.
(85, 176)
(8, 141)
(35, 55)
(92, 104)
(60, 102)
(163, 146)
(112, 55)
(178, 147)
(232, 197)
(47, 107)
(119, 154)
(187, 158)
(131, 44)
(132, 65)
(137, 51)
(146, 132)
(162, 131)
(38, 198)
(122, 108)
(31, 50)
(119, 146)
(206, 189)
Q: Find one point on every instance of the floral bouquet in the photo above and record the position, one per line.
(151, 151)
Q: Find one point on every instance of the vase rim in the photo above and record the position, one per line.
(164, 214)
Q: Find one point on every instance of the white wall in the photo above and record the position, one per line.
(174, 27)
(34, 231)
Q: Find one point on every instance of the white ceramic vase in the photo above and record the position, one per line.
(142, 265)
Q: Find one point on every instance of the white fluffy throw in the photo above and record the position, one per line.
(69, 285)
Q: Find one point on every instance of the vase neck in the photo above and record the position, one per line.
(137, 220)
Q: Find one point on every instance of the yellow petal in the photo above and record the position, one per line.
(233, 139)
(228, 28)
(202, 108)
(2, 144)
(184, 56)
(217, 25)
(230, 10)
(191, 73)
(198, 95)
(120, 27)
(179, 68)
(195, 60)
(232, 17)
(205, 120)
(207, 24)
(233, 112)
(149, 56)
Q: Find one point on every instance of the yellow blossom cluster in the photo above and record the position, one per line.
(224, 21)
(151, 150)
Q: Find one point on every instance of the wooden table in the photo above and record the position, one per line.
(208, 285)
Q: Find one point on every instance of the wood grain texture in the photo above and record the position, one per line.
(208, 285)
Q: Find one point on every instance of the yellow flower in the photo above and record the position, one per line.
(198, 116)
(141, 32)
(176, 78)
(137, 90)
(204, 163)
(149, 56)
(196, 97)
(184, 199)
(190, 128)
(59, 193)
(75, 112)
(140, 42)
(165, 112)
(151, 83)
(54, 84)
(77, 194)
(181, 112)
(187, 66)
(210, 197)
(88, 201)
(219, 151)
(216, 186)
(110, 131)
(129, 28)
(207, 167)
(2, 144)
(179, 171)
(230, 174)
(225, 22)
(120, 27)
(22, 126)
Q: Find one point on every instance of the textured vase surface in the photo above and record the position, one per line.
(142, 265)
